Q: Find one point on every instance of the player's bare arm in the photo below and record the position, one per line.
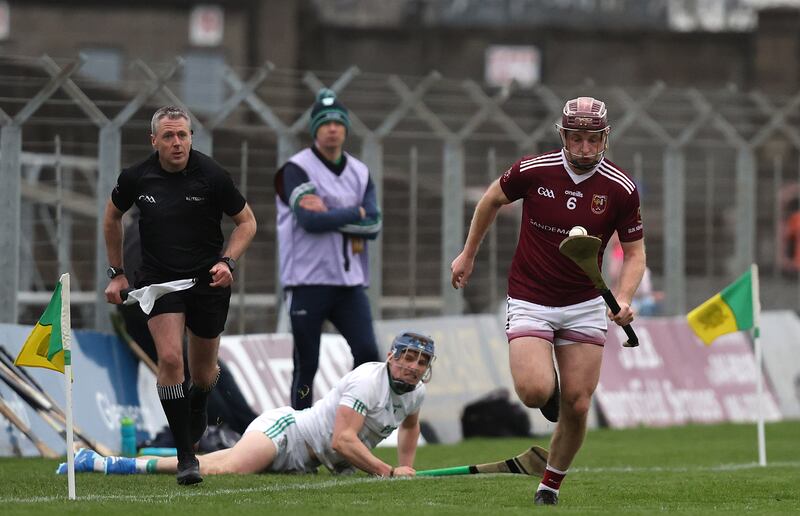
(407, 437)
(112, 229)
(346, 443)
(633, 266)
(242, 235)
(485, 212)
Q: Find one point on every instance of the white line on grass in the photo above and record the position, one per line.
(336, 483)
(200, 491)
(684, 469)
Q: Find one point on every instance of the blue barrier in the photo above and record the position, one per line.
(104, 390)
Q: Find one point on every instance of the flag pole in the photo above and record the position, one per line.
(762, 445)
(66, 336)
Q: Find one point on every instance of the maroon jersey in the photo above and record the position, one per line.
(603, 200)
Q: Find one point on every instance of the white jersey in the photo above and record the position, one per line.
(366, 390)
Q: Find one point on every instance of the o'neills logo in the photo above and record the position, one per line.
(599, 203)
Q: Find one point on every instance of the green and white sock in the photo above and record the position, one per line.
(146, 466)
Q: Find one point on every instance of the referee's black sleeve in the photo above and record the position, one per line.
(124, 194)
(230, 199)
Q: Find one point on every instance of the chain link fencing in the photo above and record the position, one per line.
(718, 173)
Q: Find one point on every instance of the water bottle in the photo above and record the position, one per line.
(159, 451)
(128, 431)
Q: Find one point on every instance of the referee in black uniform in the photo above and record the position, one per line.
(182, 195)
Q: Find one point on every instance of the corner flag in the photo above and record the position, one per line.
(48, 346)
(44, 347)
(736, 308)
(729, 311)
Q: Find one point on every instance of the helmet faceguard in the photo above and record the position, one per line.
(412, 353)
(588, 115)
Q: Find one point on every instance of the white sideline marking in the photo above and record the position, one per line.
(684, 469)
(335, 483)
(190, 492)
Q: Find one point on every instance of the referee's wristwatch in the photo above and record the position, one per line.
(112, 272)
(230, 262)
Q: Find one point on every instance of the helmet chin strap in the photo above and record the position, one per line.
(398, 386)
(580, 166)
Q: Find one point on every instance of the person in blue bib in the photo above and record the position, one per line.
(327, 210)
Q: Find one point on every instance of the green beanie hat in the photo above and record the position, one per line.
(327, 109)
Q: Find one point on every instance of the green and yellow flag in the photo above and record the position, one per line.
(729, 311)
(44, 346)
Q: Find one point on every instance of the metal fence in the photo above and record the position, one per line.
(718, 173)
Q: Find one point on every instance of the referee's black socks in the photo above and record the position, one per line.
(198, 401)
(177, 407)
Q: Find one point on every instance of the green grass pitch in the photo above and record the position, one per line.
(687, 470)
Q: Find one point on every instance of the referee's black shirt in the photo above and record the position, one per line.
(181, 214)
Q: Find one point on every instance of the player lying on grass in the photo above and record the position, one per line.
(338, 432)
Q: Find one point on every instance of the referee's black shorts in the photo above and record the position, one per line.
(205, 307)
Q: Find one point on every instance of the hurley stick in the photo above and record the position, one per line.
(9, 414)
(530, 462)
(44, 405)
(583, 250)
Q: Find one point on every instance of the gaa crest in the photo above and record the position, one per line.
(599, 203)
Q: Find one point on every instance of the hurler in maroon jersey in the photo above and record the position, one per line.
(552, 304)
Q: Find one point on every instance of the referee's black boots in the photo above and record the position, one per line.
(188, 470)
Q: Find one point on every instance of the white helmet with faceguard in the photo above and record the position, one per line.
(585, 114)
(413, 353)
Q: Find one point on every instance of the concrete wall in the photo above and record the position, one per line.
(254, 31)
(765, 59)
(292, 35)
(777, 51)
(622, 58)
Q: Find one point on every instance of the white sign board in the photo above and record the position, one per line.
(519, 63)
(206, 25)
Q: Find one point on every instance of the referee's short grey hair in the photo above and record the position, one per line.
(171, 112)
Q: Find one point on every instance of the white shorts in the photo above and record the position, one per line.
(292, 455)
(583, 322)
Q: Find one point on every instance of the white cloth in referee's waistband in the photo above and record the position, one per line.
(147, 296)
